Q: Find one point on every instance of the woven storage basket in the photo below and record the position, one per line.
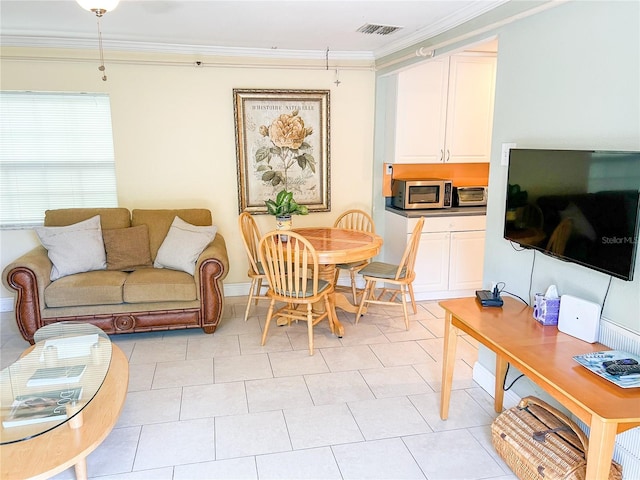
(539, 442)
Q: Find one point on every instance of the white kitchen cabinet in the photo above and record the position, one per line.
(450, 256)
(444, 110)
(466, 260)
(432, 262)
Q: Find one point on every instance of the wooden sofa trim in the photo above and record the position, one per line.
(29, 278)
(207, 317)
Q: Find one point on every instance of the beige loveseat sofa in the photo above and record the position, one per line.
(122, 298)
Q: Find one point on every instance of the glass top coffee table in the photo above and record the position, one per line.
(53, 381)
(43, 449)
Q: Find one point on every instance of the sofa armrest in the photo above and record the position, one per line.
(216, 250)
(28, 275)
(211, 268)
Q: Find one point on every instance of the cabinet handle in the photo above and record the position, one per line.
(441, 156)
(447, 159)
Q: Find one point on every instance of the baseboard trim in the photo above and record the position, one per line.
(236, 289)
(6, 304)
(487, 380)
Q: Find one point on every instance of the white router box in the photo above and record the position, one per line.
(579, 318)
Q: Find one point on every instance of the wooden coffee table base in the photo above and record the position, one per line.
(53, 452)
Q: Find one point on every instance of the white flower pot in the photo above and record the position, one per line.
(283, 222)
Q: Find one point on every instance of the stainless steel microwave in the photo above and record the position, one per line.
(422, 193)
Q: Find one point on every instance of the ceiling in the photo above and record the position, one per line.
(300, 28)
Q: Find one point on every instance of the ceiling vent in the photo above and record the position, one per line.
(370, 28)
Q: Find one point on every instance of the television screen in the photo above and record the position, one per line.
(580, 206)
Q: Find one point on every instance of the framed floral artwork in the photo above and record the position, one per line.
(282, 142)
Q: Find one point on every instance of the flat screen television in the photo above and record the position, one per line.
(578, 205)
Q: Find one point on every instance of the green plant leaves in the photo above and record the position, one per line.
(285, 204)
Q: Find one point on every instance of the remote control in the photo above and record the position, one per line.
(622, 361)
(622, 370)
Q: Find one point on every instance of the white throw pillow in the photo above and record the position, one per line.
(75, 248)
(183, 245)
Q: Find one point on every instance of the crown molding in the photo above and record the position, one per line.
(32, 41)
(458, 18)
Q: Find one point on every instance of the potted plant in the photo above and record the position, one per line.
(516, 199)
(282, 208)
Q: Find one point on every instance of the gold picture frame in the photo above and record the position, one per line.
(282, 141)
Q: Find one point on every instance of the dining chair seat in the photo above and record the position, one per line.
(348, 265)
(383, 270)
(400, 276)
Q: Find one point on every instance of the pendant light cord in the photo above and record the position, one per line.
(101, 67)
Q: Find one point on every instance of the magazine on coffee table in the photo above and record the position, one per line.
(619, 367)
(56, 375)
(41, 407)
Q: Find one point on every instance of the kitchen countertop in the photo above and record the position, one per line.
(438, 212)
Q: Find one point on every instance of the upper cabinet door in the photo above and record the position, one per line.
(444, 110)
(421, 113)
(470, 108)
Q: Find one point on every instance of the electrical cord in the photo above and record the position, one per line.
(513, 244)
(517, 296)
(533, 265)
(504, 381)
(604, 300)
(500, 287)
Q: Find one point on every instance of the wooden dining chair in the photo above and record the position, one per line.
(560, 236)
(532, 217)
(354, 219)
(251, 237)
(400, 275)
(292, 272)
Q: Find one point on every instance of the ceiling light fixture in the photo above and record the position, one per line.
(99, 7)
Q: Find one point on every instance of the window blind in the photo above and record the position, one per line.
(56, 151)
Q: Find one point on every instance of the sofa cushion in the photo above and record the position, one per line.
(159, 222)
(89, 288)
(127, 248)
(159, 285)
(75, 248)
(109, 217)
(183, 245)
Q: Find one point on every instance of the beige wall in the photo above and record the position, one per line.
(174, 140)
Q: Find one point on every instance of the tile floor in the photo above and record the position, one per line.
(363, 407)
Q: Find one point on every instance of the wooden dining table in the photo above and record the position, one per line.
(340, 245)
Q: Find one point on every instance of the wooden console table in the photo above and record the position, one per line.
(544, 355)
